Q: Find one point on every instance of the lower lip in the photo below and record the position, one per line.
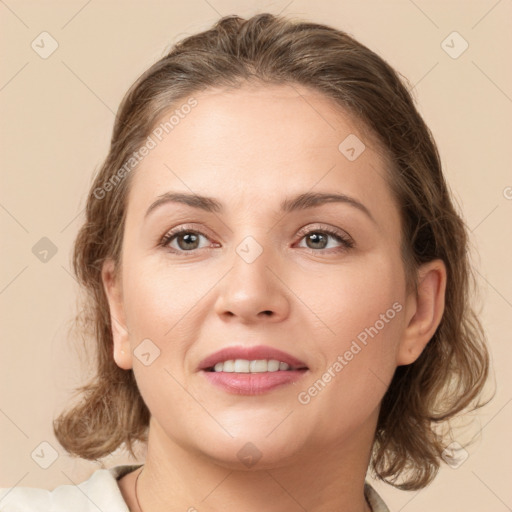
(252, 383)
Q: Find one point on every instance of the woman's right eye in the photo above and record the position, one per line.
(185, 240)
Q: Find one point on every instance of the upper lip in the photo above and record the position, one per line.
(251, 354)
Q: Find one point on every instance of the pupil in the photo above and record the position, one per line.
(188, 239)
(317, 237)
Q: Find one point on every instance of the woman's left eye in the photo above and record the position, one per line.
(318, 239)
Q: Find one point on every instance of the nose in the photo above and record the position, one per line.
(253, 291)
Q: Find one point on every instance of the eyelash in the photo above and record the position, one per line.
(345, 240)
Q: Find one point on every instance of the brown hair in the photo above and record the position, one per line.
(451, 372)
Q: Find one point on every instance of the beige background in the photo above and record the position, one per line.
(57, 115)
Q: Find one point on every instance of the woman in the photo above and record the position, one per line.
(278, 284)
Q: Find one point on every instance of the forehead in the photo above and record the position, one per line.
(254, 143)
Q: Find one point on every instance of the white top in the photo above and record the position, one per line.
(100, 492)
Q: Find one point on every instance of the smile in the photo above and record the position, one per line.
(254, 366)
(251, 370)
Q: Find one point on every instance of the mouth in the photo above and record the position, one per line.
(251, 370)
(254, 366)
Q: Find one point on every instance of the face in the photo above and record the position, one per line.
(312, 289)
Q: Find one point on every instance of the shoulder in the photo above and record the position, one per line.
(376, 502)
(99, 492)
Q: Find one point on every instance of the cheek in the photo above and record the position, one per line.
(363, 307)
(159, 298)
(352, 298)
(158, 316)
(346, 390)
(162, 322)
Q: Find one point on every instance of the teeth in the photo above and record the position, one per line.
(255, 366)
(228, 366)
(258, 366)
(273, 365)
(241, 366)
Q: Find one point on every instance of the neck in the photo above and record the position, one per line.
(318, 481)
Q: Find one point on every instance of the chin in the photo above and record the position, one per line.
(249, 456)
(251, 450)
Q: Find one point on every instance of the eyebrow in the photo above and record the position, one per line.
(299, 202)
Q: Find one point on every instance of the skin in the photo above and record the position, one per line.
(250, 148)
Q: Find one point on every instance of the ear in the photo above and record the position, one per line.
(113, 290)
(424, 310)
